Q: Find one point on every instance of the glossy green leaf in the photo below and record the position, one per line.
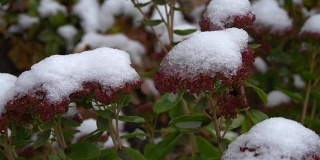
(254, 46)
(102, 124)
(42, 139)
(202, 104)
(132, 119)
(57, 19)
(217, 85)
(263, 96)
(84, 151)
(235, 123)
(108, 154)
(137, 133)
(160, 150)
(105, 113)
(151, 22)
(295, 96)
(188, 123)
(124, 100)
(66, 122)
(244, 127)
(184, 32)
(257, 116)
(207, 150)
(166, 102)
(130, 154)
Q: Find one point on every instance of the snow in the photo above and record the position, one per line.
(260, 65)
(86, 127)
(269, 15)
(274, 138)
(67, 32)
(219, 51)
(298, 82)
(50, 7)
(61, 75)
(276, 98)
(126, 8)
(7, 82)
(220, 11)
(312, 25)
(25, 21)
(93, 18)
(120, 41)
(72, 111)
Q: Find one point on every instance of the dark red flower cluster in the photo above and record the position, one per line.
(170, 80)
(105, 94)
(229, 104)
(310, 35)
(239, 21)
(33, 107)
(247, 149)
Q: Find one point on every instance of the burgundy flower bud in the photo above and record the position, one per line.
(230, 104)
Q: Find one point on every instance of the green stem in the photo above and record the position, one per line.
(191, 135)
(117, 129)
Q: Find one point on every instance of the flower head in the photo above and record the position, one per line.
(194, 65)
(221, 14)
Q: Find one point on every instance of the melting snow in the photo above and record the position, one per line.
(60, 75)
(274, 138)
(312, 25)
(50, 7)
(7, 82)
(215, 50)
(269, 15)
(276, 98)
(219, 11)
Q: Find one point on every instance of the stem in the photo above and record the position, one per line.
(58, 132)
(117, 128)
(191, 135)
(112, 135)
(152, 28)
(243, 92)
(309, 87)
(215, 121)
(313, 111)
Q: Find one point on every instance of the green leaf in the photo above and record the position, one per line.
(84, 151)
(202, 104)
(184, 32)
(159, 2)
(58, 156)
(217, 85)
(150, 73)
(102, 124)
(132, 119)
(57, 19)
(66, 122)
(166, 102)
(207, 150)
(108, 154)
(87, 103)
(263, 96)
(189, 97)
(244, 127)
(308, 75)
(188, 123)
(257, 116)
(47, 126)
(140, 5)
(295, 96)
(105, 113)
(235, 123)
(254, 46)
(151, 22)
(160, 150)
(124, 100)
(137, 133)
(130, 154)
(42, 139)
(52, 48)
(23, 133)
